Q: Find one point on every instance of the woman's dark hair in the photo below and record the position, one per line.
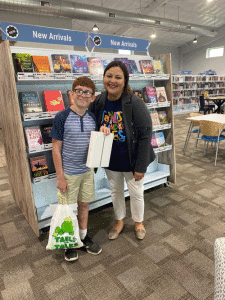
(122, 66)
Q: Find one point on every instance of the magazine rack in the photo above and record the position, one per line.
(37, 200)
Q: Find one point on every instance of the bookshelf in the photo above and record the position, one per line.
(38, 199)
(188, 88)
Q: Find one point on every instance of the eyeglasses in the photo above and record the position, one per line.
(87, 94)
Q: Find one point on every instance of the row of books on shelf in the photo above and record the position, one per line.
(185, 101)
(206, 78)
(153, 95)
(65, 63)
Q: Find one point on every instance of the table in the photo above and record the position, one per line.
(219, 101)
(218, 118)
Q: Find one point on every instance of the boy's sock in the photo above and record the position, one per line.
(83, 233)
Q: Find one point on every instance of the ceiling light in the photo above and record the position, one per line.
(209, 0)
(195, 40)
(95, 28)
(153, 35)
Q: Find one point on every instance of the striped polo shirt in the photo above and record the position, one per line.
(74, 131)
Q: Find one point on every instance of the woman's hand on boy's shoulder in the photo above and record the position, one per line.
(105, 130)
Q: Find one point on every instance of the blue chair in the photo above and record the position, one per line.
(203, 107)
(211, 132)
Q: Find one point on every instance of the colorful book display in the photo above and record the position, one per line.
(53, 100)
(155, 118)
(45, 132)
(61, 63)
(30, 102)
(161, 94)
(163, 117)
(39, 166)
(132, 67)
(41, 64)
(158, 66)
(95, 65)
(158, 140)
(79, 63)
(34, 138)
(146, 66)
(149, 94)
(22, 62)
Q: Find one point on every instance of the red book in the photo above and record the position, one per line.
(53, 100)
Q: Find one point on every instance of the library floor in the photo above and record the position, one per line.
(174, 262)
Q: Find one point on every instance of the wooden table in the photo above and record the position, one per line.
(219, 101)
(218, 118)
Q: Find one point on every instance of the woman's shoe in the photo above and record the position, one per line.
(113, 234)
(140, 234)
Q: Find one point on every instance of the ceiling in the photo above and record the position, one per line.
(198, 12)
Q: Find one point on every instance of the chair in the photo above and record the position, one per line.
(203, 107)
(190, 131)
(211, 132)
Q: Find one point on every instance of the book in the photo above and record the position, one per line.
(161, 94)
(158, 140)
(53, 100)
(34, 138)
(41, 64)
(149, 94)
(61, 63)
(146, 66)
(22, 62)
(132, 67)
(155, 118)
(99, 150)
(105, 62)
(95, 65)
(138, 93)
(39, 166)
(163, 117)
(158, 66)
(45, 132)
(30, 102)
(79, 63)
(125, 61)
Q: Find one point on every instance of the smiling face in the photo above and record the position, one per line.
(81, 102)
(114, 82)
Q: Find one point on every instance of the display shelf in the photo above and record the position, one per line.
(157, 105)
(162, 149)
(37, 200)
(39, 116)
(161, 127)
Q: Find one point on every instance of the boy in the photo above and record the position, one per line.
(70, 134)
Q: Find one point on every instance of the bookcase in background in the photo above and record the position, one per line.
(36, 200)
(188, 88)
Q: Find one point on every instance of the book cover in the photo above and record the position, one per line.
(105, 62)
(158, 140)
(158, 66)
(153, 141)
(163, 117)
(99, 151)
(125, 61)
(161, 94)
(30, 102)
(95, 65)
(53, 100)
(41, 64)
(132, 67)
(45, 132)
(151, 94)
(155, 118)
(79, 63)
(61, 63)
(39, 166)
(34, 138)
(22, 62)
(146, 66)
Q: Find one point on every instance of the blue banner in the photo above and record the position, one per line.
(38, 34)
(118, 42)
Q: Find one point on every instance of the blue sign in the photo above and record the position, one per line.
(38, 34)
(118, 42)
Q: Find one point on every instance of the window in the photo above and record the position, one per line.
(214, 52)
(127, 52)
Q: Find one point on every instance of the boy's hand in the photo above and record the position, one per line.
(62, 185)
(105, 130)
(138, 176)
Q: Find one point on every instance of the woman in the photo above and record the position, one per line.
(119, 111)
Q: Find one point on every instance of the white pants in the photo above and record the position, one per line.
(136, 192)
